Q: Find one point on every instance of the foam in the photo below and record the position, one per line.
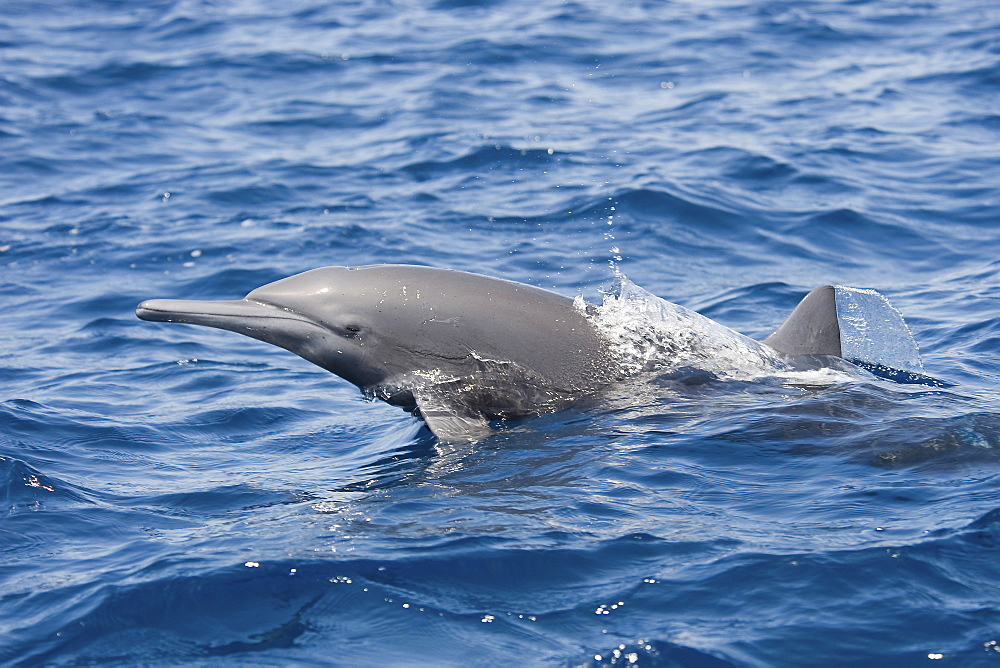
(650, 333)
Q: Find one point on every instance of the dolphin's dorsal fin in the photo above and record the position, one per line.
(857, 324)
(813, 328)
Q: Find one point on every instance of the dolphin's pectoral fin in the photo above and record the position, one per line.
(455, 427)
(450, 421)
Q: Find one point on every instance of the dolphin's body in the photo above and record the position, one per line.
(459, 349)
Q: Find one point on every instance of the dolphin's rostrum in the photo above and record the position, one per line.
(458, 349)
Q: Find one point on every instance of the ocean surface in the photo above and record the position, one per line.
(181, 496)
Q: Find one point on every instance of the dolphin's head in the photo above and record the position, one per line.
(333, 317)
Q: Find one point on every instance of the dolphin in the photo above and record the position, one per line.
(455, 348)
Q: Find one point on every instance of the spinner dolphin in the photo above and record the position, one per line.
(461, 349)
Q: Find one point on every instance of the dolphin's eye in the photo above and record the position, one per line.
(351, 329)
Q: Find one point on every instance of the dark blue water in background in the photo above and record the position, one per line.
(174, 495)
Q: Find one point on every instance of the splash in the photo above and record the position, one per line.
(649, 333)
(873, 332)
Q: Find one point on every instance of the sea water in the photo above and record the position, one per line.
(182, 496)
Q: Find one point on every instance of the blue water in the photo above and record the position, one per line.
(174, 495)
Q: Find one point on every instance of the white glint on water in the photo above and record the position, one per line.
(824, 377)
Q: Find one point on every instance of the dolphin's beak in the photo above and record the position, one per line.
(252, 318)
(210, 313)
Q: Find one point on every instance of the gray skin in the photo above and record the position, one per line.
(462, 348)
(813, 328)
